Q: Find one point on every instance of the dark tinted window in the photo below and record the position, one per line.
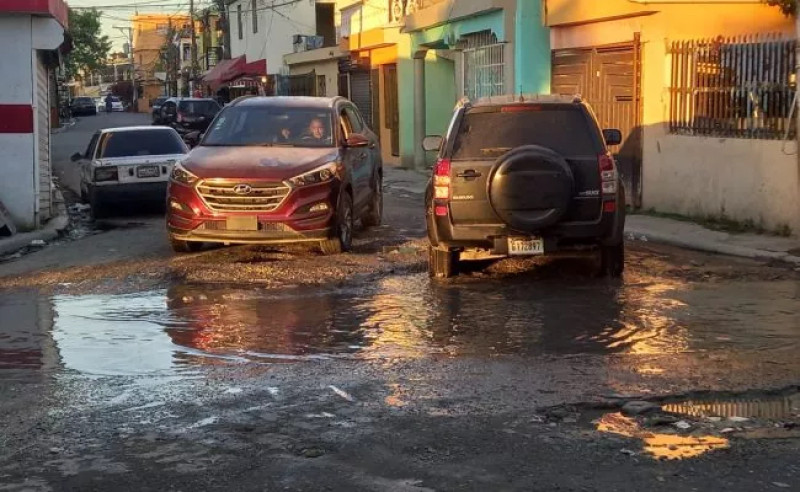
(84, 100)
(92, 144)
(140, 142)
(252, 125)
(356, 124)
(489, 133)
(159, 101)
(198, 107)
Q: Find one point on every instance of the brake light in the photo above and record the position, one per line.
(608, 174)
(441, 180)
(520, 108)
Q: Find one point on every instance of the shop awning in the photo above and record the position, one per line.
(227, 70)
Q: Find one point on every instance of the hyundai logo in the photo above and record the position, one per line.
(242, 189)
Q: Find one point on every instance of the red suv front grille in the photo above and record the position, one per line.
(242, 196)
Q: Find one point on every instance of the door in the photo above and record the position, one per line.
(392, 110)
(361, 94)
(356, 158)
(86, 165)
(608, 78)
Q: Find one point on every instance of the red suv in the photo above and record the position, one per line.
(276, 170)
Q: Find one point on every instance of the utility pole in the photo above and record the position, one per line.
(192, 70)
(133, 66)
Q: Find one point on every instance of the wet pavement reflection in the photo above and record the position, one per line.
(400, 316)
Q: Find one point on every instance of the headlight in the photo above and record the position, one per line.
(321, 174)
(182, 176)
(109, 173)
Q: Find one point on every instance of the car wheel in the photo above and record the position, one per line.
(343, 241)
(84, 195)
(98, 209)
(374, 217)
(442, 263)
(179, 246)
(612, 260)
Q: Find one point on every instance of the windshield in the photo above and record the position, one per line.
(198, 107)
(140, 143)
(83, 100)
(249, 125)
(159, 101)
(489, 134)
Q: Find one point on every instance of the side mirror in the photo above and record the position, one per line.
(432, 143)
(356, 140)
(612, 136)
(76, 157)
(192, 139)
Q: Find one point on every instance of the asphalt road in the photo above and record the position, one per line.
(125, 367)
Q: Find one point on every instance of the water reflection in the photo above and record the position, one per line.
(398, 317)
(660, 445)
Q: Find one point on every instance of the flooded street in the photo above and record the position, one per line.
(126, 367)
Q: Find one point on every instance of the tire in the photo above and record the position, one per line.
(98, 209)
(612, 260)
(84, 195)
(442, 263)
(179, 246)
(374, 217)
(343, 239)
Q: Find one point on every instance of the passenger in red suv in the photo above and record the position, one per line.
(278, 170)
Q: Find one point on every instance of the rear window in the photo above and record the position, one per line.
(488, 134)
(140, 143)
(198, 107)
(84, 100)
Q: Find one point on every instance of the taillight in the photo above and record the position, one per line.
(441, 180)
(180, 117)
(608, 174)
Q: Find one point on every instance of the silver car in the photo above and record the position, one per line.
(128, 165)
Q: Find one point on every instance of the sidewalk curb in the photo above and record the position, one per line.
(51, 230)
(710, 246)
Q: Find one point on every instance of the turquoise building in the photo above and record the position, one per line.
(472, 48)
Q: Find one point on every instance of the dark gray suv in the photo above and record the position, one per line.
(524, 176)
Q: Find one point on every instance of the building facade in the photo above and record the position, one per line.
(32, 42)
(155, 74)
(473, 48)
(704, 94)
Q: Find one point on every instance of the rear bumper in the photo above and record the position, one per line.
(130, 192)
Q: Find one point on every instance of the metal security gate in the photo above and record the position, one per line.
(608, 78)
(43, 139)
(483, 65)
(303, 85)
(361, 93)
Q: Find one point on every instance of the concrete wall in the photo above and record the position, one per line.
(328, 68)
(692, 175)
(738, 178)
(275, 30)
(18, 186)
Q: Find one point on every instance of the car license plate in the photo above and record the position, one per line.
(148, 171)
(242, 223)
(525, 246)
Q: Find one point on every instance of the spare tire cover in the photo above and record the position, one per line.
(530, 187)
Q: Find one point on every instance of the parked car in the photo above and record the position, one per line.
(83, 106)
(278, 170)
(524, 176)
(156, 110)
(187, 114)
(128, 165)
(116, 104)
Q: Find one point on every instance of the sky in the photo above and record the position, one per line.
(119, 12)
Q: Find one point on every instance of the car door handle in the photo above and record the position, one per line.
(469, 173)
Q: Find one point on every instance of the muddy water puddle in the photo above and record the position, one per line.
(396, 317)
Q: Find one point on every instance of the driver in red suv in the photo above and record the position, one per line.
(276, 170)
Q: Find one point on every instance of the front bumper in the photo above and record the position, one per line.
(189, 218)
(130, 192)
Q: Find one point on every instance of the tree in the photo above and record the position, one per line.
(90, 49)
(788, 7)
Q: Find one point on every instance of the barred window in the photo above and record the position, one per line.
(741, 87)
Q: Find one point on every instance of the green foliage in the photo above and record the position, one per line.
(788, 7)
(89, 48)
